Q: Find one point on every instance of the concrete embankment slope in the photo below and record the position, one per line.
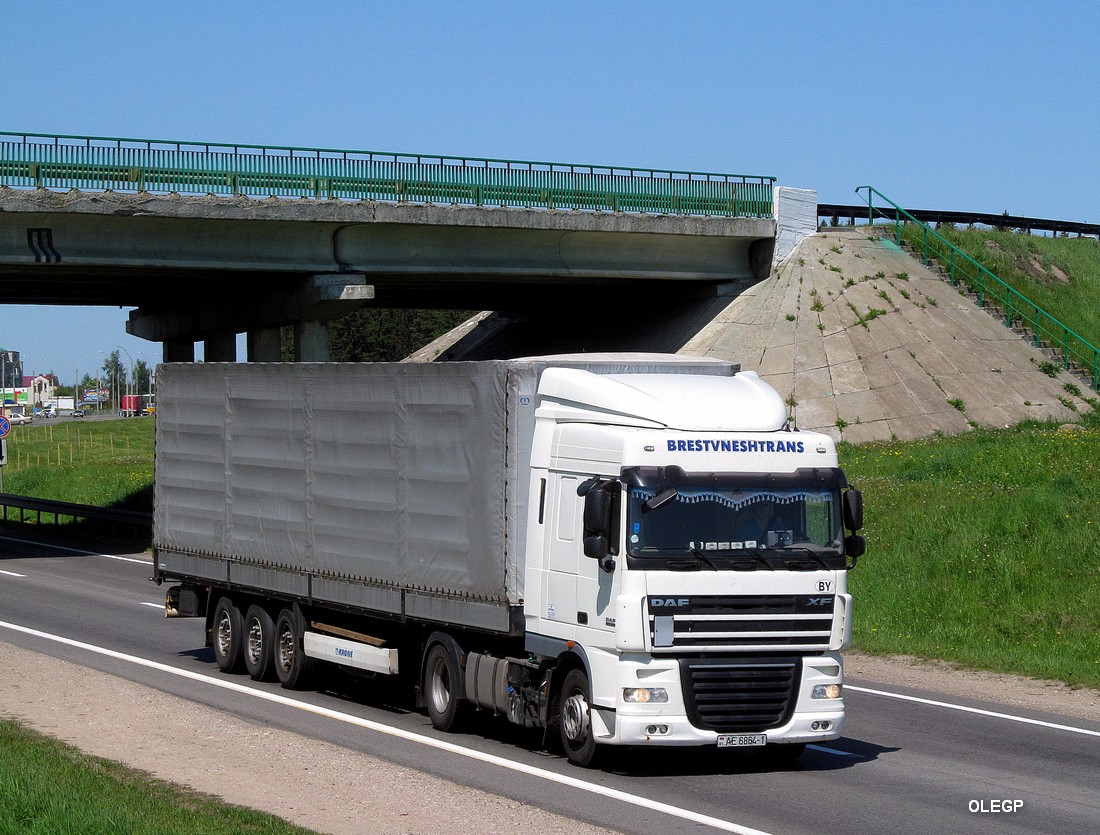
(868, 344)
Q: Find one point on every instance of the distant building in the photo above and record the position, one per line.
(42, 388)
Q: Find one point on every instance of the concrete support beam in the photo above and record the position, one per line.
(315, 298)
(311, 342)
(265, 345)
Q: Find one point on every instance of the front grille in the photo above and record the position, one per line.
(747, 623)
(740, 695)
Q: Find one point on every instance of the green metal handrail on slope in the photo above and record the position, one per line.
(991, 290)
(134, 165)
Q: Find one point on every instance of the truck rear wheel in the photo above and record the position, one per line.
(441, 677)
(292, 666)
(574, 719)
(259, 638)
(226, 634)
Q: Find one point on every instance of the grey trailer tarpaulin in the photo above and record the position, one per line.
(398, 487)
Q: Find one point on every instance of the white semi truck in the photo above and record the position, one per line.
(621, 549)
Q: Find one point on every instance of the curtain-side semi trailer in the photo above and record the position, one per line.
(621, 549)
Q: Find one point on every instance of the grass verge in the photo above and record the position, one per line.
(983, 549)
(108, 463)
(48, 787)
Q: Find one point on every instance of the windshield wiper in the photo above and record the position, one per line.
(808, 551)
(695, 552)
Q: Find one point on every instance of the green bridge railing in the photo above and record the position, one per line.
(1017, 310)
(134, 165)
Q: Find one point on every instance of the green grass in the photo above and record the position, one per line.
(1031, 264)
(48, 787)
(106, 463)
(983, 549)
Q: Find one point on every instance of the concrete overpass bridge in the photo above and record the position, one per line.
(207, 241)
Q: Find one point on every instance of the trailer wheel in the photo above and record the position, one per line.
(226, 633)
(259, 638)
(575, 719)
(292, 666)
(441, 676)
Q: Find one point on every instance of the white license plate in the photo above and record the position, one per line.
(742, 740)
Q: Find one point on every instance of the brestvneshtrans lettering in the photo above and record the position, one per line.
(707, 445)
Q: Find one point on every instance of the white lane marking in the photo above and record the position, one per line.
(152, 605)
(979, 711)
(409, 736)
(836, 752)
(75, 550)
(12, 573)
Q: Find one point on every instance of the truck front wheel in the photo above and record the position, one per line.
(226, 633)
(292, 666)
(575, 719)
(441, 677)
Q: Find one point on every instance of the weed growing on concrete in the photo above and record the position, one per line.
(1072, 389)
(901, 276)
(958, 404)
(790, 317)
(1049, 368)
(817, 306)
(1069, 404)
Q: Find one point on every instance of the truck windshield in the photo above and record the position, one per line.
(722, 521)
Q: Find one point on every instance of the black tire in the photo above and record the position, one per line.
(574, 719)
(225, 633)
(258, 642)
(441, 678)
(292, 666)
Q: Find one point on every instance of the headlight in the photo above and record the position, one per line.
(643, 695)
(826, 691)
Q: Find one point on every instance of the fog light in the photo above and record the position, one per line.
(642, 695)
(656, 730)
(822, 725)
(826, 691)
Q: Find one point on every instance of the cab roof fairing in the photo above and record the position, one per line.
(742, 403)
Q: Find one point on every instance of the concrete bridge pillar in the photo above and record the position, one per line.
(311, 342)
(220, 347)
(265, 345)
(179, 349)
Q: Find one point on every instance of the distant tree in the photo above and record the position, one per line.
(114, 375)
(142, 377)
(384, 335)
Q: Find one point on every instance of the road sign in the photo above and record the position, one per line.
(3, 454)
(5, 427)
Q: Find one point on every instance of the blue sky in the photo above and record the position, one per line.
(981, 106)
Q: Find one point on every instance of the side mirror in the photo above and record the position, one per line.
(595, 546)
(854, 546)
(597, 513)
(599, 522)
(853, 510)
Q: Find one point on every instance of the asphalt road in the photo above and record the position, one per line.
(910, 761)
